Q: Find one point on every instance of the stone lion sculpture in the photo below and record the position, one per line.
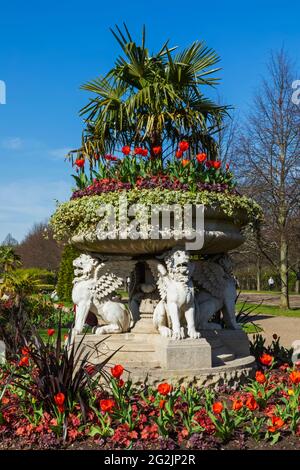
(215, 291)
(176, 307)
(94, 287)
(296, 351)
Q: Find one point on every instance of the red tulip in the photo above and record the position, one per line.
(251, 404)
(25, 351)
(111, 158)
(117, 371)
(50, 332)
(79, 162)
(156, 150)
(185, 162)
(201, 157)
(266, 359)
(178, 154)
(295, 376)
(144, 152)
(277, 423)
(227, 166)
(96, 156)
(126, 150)
(237, 405)
(216, 164)
(59, 398)
(164, 388)
(107, 405)
(183, 145)
(24, 361)
(138, 151)
(217, 407)
(260, 377)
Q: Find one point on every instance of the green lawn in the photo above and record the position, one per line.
(64, 331)
(44, 335)
(270, 310)
(250, 328)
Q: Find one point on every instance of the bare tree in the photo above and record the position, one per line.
(39, 249)
(269, 150)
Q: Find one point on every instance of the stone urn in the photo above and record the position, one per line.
(222, 233)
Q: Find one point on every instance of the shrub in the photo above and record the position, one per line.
(66, 273)
(45, 279)
(44, 314)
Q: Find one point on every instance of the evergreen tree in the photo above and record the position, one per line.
(66, 273)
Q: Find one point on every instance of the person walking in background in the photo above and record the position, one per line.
(271, 282)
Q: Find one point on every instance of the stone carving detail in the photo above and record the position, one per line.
(192, 293)
(215, 291)
(175, 311)
(183, 295)
(95, 283)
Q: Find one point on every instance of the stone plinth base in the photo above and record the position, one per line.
(191, 353)
(218, 356)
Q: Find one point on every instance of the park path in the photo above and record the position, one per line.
(288, 328)
(268, 298)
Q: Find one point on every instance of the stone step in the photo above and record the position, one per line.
(123, 357)
(221, 356)
(131, 347)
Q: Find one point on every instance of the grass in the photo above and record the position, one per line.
(44, 335)
(64, 331)
(271, 310)
(250, 328)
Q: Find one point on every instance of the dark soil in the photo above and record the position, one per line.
(288, 442)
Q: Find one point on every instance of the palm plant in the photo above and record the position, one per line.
(9, 260)
(153, 99)
(19, 285)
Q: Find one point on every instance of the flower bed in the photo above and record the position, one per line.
(107, 185)
(262, 413)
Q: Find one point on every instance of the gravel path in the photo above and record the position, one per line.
(269, 299)
(288, 328)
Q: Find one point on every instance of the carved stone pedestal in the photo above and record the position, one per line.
(190, 354)
(170, 327)
(216, 357)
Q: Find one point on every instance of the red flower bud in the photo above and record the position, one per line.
(201, 157)
(156, 150)
(59, 398)
(266, 359)
(126, 150)
(183, 145)
(107, 405)
(217, 407)
(117, 371)
(24, 361)
(164, 388)
(79, 162)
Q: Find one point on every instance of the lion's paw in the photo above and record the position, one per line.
(192, 333)
(165, 331)
(178, 334)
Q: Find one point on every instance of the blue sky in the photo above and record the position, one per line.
(48, 49)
